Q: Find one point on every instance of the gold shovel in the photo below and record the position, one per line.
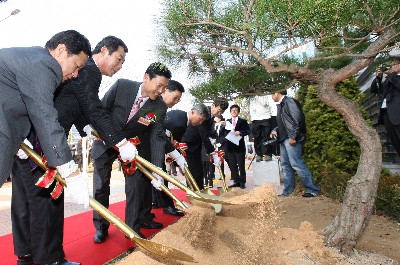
(152, 247)
(224, 187)
(179, 204)
(215, 201)
(193, 183)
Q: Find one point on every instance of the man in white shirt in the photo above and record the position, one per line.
(260, 113)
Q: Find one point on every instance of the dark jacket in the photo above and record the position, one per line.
(243, 126)
(176, 121)
(291, 117)
(195, 136)
(77, 102)
(389, 89)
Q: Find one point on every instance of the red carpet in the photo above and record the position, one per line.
(78, 237)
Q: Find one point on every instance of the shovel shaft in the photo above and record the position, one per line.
(38, 160)
(163, 187)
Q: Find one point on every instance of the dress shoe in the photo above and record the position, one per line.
(25, 260)
(173, 211)
(100, 236)
(152, 225)
(234, 185)
(242, 186)
(64, 262)
(210, 184)
(267, 158)
(309, 195)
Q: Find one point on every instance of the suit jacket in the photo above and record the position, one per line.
(176, 122)
(244, 128)
(220, 137)
(77, 102)
(390, 89)
(195, 136)
(119, 101)
(28, 79)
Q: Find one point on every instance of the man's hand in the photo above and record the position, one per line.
(216, 160)
(21, 154)
(273, 134)
(78, 189)
(179, 159)
(157, 182)
(88, 130)
(292, 141)
(127, 150)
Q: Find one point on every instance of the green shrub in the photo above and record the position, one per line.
(388, 198)
(331, 150)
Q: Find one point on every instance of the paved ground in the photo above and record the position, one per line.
(117, 194)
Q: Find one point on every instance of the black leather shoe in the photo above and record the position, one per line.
(242, 186)
(100, 236)
(64, 262)
(25, 260)
(152, 225)
(234, 185)
(173, 211)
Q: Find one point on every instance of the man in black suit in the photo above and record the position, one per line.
(220, 139)
(195, 136)
(237, 153)
(388, 91)
(74, 101)
(136, 110)
(176, 123)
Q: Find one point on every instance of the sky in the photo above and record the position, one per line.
(131, 21)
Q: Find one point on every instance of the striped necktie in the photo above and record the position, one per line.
(135, 108)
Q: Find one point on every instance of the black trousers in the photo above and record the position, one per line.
(393, 132)
(137, 190)
(37, 219)
(237, 162)
(194, 162)
(101, 185)
(261, 130)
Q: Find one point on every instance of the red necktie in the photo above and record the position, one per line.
(135, 108)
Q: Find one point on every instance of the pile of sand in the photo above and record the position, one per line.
(245, 233)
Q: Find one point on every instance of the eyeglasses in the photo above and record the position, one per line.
(176, 99)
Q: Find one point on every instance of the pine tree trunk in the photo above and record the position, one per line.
(359, 199)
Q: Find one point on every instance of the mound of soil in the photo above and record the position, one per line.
(261, 228)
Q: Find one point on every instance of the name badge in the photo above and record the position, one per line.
(145, 122)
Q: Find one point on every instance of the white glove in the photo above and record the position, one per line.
(157, 181)
(179, 159)
(167, 133)
(127, 151)
(216, 160)
(78, 190)
(67, 169)
(21, 154)
(218, 145)
(212, 140)
(88, 130)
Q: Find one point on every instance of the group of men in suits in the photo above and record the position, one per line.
(43, 96)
